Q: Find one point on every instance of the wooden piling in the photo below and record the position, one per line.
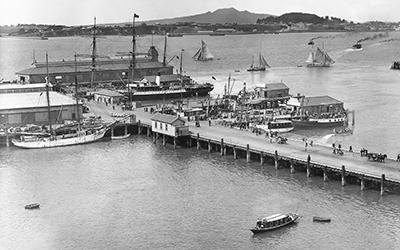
(276, 160)
(326, 173)
(175, 146)
(343, 175)
(154, 137)
(262, 158)
(209, 146)
(222, 146)
(234, 152)
(112, 131)
(139, 128)
(362, 183)
(308, 166)
(198, 141)
(164, 140)
(148, 132)
(292, 169)
(248, 153)
(7, 138)
(383, 184)
(125, 129)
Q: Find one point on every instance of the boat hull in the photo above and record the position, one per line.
(160, 95)
(32, 206)
(59, 141)
(263, 230)
(256, 69)
(319, 123)
(120, 137)
(321, 219)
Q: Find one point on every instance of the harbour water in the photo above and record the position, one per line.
(132, 194)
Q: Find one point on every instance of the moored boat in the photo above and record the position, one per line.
(280, 126)
(274, 222)
(32, 206)
(120, 137)
(319, 121)
(321, 219)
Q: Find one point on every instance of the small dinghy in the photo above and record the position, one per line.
(32, 206)
(119, 137)
(321, 219)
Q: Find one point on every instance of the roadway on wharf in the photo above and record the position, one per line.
(320, 155)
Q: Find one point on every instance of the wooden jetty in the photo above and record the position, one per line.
(317, 160)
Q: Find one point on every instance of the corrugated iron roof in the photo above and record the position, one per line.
(166, 118)
(274, 86)
(10, 101)
(319, 101)
(68, 68)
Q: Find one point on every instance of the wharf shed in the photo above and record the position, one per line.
(103, 69)
(108, 96)
(20, 109)
(20, 88)
(169, 125)
(270, 95)
(316, 105)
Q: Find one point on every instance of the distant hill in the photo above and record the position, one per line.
(228, 15)
(297, 17)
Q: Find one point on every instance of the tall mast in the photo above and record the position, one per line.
(133, 45)
(47, 93)
(165, 53)
(180, 67)
(94, 54)
(76, 94)
(133, 62)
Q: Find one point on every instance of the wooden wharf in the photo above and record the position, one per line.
(316, 160)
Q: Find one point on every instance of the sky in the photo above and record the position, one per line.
(82, 12)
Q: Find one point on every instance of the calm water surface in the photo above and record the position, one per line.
(133, 194)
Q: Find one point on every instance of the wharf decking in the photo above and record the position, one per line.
(349, 168)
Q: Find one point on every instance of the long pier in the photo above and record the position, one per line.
(316, 160)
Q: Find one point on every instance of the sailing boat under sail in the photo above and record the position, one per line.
(203, 54)
(319, 58)
(262, 64)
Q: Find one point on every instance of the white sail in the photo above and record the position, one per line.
(203, 54)
(263, 62)
(319, 59)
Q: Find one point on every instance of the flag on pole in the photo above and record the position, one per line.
(213, 77)
(135, 15)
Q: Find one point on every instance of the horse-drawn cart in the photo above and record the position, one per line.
(376, 157)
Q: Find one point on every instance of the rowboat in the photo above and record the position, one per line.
(274, 222)
(321, 219)
(32, 206)
(119, 137)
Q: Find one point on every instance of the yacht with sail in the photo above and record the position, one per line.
(319, 58)
(74, 134)
(262, 64)
(203, 54)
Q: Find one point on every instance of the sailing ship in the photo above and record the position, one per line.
(203, 54)
(168, 86)
(319, 58)
(262, 64)
(64, 136)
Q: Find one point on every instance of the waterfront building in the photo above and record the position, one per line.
(21, 88)
(104, 70)
(316, 105)
(169, 125)
(270, 95)
(108, 96)
(20, 109)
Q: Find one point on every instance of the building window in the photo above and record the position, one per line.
(166, 127)
(155, 124)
